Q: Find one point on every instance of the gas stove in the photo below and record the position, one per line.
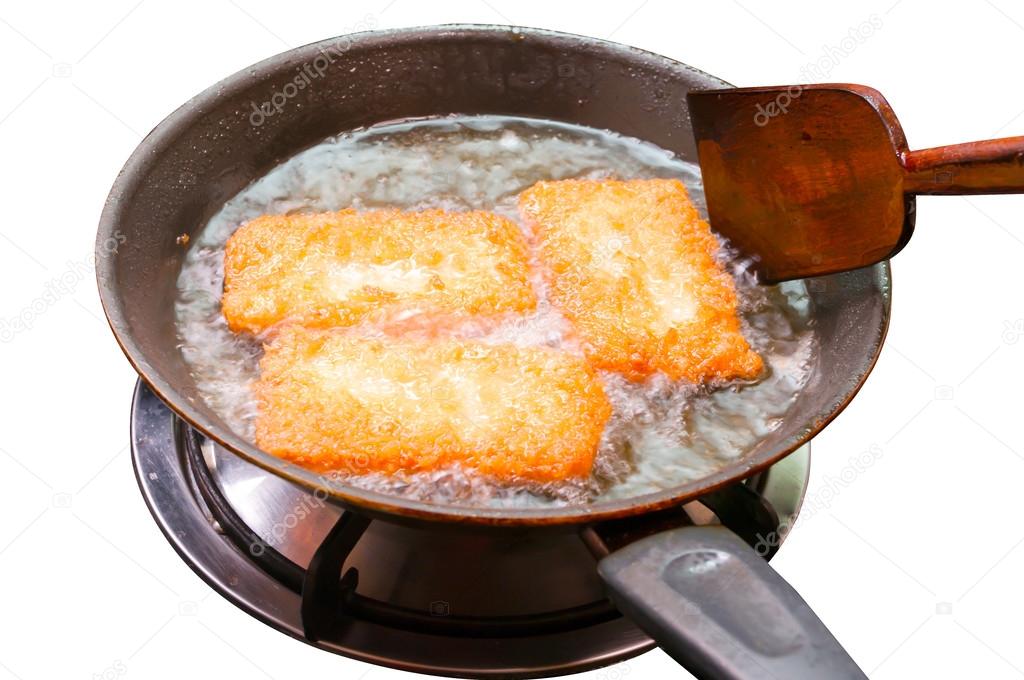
(442, 600)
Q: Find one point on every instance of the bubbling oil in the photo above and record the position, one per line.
(661, 433)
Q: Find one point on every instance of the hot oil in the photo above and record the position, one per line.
(661, 434)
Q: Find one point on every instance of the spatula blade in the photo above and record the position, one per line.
(807, 180)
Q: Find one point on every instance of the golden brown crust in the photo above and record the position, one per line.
(632, 265)
(341, 268)
(330, 401)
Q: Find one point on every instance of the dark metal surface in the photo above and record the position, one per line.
(328, 587)
(719, 610)
(409, 567)
(530, 600)
(329, 597)
(210, 148)
(745, 511)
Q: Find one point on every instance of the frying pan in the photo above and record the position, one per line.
(702, 593)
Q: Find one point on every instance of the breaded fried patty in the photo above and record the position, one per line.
(632, 265)
(333, 402)
(337, 269)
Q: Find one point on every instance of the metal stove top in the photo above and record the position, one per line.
(460, 602)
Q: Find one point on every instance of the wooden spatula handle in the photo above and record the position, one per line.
(995, 166)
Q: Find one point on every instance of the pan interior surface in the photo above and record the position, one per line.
(661, 433)
(236, 132)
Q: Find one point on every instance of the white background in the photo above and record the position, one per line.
(913, 562)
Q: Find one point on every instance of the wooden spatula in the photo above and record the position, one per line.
(817, 179)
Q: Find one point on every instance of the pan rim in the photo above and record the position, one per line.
(160, 138)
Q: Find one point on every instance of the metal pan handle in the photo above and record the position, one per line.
(719, 610)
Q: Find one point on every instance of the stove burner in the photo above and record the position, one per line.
(463, 601)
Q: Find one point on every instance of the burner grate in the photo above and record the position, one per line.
(329, 599)
(328, 590)
(402, 596)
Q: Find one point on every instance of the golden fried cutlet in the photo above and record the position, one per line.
(331, 401)
(337, 269)
(632, 265)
